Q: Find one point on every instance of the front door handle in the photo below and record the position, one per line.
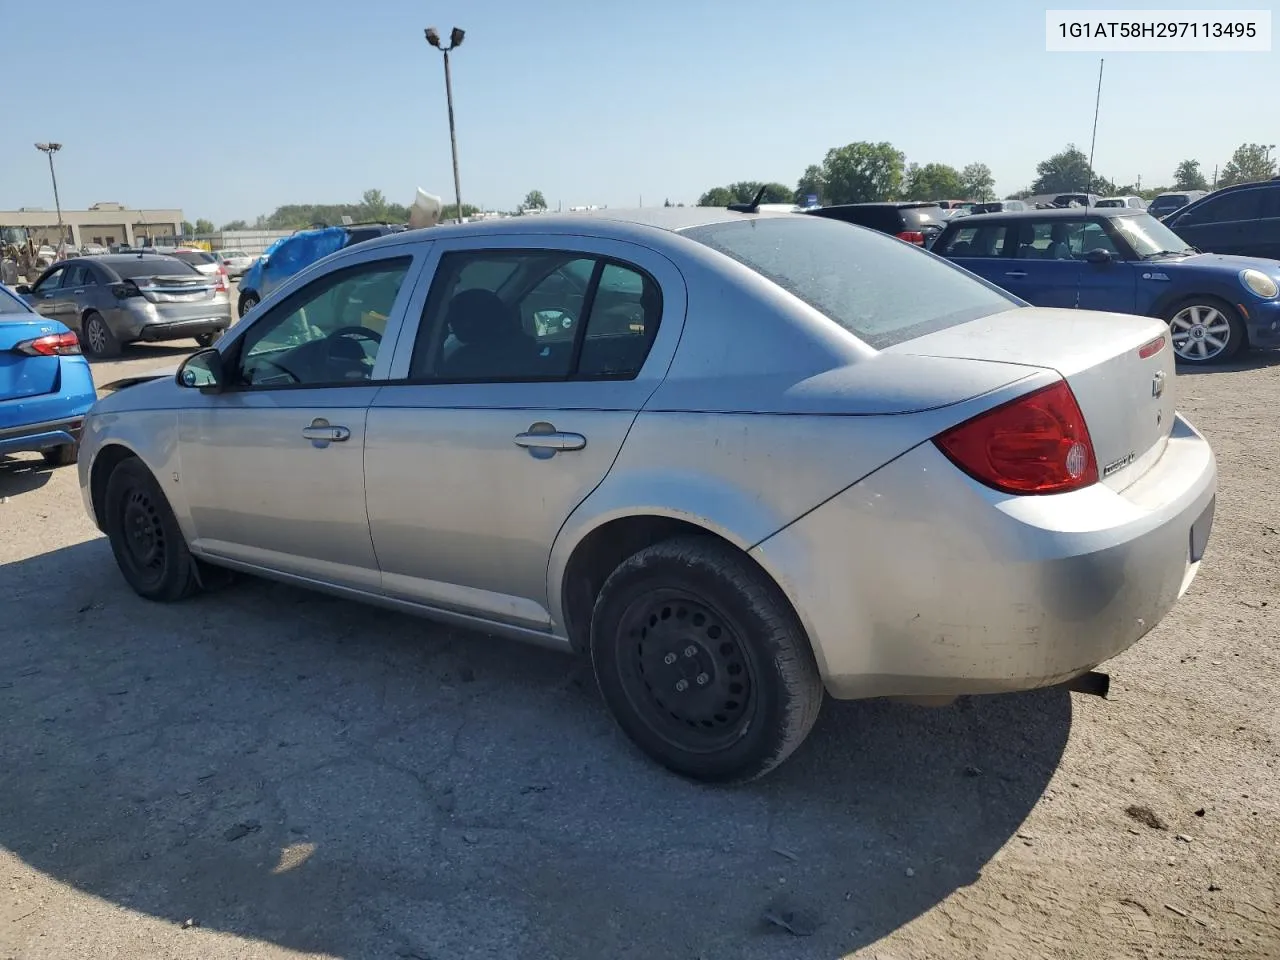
(1015, 273)
(551, 441)
(326, 433)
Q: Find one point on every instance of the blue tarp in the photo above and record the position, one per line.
(290, 254)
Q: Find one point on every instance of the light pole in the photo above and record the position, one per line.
(455, 41)
(50, 149)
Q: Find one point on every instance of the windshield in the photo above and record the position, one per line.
(1149, 236)
(879, 289)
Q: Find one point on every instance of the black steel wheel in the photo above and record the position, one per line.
(145, 537)
(703, 662)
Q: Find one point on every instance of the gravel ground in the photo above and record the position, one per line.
(265, 772)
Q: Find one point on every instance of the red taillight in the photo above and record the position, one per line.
(1152, 348)
(125, 289)
(911, 236)
(53, 345)
(1036, 444)
(222, 279)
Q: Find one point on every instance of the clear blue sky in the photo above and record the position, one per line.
(253, 105)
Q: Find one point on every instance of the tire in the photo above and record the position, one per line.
(145, 537)
(248, 300)
(1196, 324)
(96, 339)
(209, 339)
(63, 456)
(692, 608)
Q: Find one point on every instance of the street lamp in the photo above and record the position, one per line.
(455, 41)
(50, 149)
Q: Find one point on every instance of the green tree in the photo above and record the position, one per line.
(812, 184)
(859, 172)
(932, 181)
(717, 197)
(373, 206)
(188, 228)
(235, 225)
(534, 200)
(450, 211)
(977, 183)
(744, 191)
(1068, 172)
(204, 227)
(1188, 176)
(1248, 164)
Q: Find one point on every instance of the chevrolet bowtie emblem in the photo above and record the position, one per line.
(1157, 384)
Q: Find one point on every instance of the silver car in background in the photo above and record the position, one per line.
(125, 297)
(739, 459)
(236, 262)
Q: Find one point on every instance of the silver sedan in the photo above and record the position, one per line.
(738, 459)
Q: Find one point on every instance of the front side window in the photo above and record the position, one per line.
(327, 333)
(882, 291)
(535, 315)
(50, 281)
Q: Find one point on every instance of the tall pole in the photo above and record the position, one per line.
(1088, 187)
(49, 149)
(453, 135)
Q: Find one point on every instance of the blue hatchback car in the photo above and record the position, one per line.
(46, 386)
(1124, 261)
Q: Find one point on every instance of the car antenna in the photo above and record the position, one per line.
(753, 206)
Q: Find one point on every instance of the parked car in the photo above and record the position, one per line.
(236, 262)
(572, 436)
(1132, 203)
(1166, 203)
(93, 250)
(290, 254)
(123, 298)
(999, 206)
(1126, 261)
(917, 222)
(46, 387)
(1242, 219)
(1076, 199)
(203, 261)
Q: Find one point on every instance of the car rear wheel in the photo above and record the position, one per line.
(1205, 330)
(148, 544)
(96, 338)
(63, 456)
(248, 300)
(702, 661)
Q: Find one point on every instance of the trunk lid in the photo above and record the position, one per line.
(180, 288)
(1125, 392)
(22, 375)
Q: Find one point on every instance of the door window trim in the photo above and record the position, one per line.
(601, 260)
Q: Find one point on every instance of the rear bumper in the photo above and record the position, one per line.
(921, 582)
(182, 329)
(141, 320)
(41, 436)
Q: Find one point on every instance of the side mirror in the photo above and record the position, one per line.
(1098, 255)
(202, 371)
(22, 288)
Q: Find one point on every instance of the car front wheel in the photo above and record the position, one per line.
(145, 537)
(703, 662)
(1205, 330)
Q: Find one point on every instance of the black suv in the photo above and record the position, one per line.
(1243, 220)
(918, 222)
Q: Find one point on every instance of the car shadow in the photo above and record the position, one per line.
(1248, 360)
(169, 350)
(336, 779)
(19, 475)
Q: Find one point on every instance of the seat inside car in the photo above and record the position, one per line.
(492, 340)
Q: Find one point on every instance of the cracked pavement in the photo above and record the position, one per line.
(301, 776)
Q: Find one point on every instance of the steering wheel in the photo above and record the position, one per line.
(293, 377)
(355, 366)
(356, 333)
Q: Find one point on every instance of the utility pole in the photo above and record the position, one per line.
(1215, 176)
(455, 41)
(50, 149)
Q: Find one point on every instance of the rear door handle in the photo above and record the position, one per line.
(1016, 273)
(326, 432)
(551, 441)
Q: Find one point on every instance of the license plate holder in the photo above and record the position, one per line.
(1200, 531)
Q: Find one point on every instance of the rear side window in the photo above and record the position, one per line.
(880, 290)
(1228, 208)
(984, 240)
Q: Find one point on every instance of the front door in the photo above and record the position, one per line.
(273, 466)
(1104, 284)
(528, 369)
(49, 298)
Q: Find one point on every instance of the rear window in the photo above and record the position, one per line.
(880, 290)
(150, 267)
(193, 256)
(915, 215)
(9, 303)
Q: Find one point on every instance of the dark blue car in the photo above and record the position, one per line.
(45, 384)
(1125, 261)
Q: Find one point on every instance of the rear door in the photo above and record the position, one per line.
(979, 248)
(1040, 268)
(532, 358)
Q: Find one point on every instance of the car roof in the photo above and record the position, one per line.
(1059, 213)
(639, 225)
(882, 204)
